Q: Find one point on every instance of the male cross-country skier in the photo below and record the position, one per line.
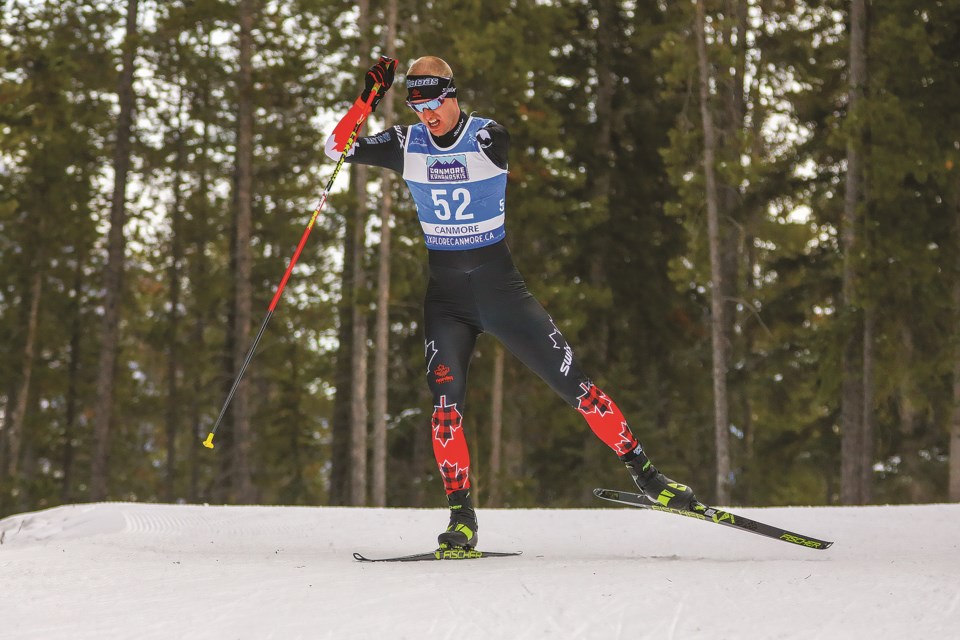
(455, 166)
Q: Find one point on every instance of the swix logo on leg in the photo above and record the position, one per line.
(567, 360)
(593, 400)
(557, 338)
(443, 374)
(560, 343)
(446, 421)
(454, 478)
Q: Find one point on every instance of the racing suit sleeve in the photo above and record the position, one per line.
(384, 149)
(494, 141)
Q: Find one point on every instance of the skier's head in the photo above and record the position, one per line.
(432, 94)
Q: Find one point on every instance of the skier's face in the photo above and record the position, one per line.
(442, 119)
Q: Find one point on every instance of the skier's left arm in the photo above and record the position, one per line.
(494, 141)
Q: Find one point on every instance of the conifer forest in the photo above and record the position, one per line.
(744, 215)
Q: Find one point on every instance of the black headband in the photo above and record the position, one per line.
(429, 87)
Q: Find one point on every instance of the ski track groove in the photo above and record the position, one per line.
(157, 521)
(672, 633)
(954, 604)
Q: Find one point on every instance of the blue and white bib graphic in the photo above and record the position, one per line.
(460, 193)
(451, 168)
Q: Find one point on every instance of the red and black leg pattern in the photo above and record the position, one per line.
(450, 446)
(605, 419)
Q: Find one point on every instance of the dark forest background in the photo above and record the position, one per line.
(743, 214)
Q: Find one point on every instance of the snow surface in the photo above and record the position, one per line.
(122, 570)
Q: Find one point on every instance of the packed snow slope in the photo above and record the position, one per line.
(121, 570)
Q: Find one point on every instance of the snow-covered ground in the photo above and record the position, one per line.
(120, 570)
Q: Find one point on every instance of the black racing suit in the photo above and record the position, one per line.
(479, 290)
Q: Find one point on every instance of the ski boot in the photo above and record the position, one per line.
(655, 485)
(462, 530)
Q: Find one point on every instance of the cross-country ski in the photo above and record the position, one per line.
(700, 511)
(441, 554)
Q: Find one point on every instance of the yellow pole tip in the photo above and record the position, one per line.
(208, 443)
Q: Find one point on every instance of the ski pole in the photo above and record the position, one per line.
(208, 443)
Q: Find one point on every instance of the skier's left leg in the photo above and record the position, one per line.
(448, 345)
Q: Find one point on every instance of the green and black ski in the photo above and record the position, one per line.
(700, 511)
(454, 553)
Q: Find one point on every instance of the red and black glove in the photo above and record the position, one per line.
(381, 73)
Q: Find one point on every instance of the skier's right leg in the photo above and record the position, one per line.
(514, 316)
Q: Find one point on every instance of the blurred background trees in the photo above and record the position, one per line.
(836, 140)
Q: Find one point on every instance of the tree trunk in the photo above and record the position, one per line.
(198, 273)
(747, 465)
(7, 414)
(735, 242)
(912, 439)
(851, 442)
(113, 273)
(294, 490)
(607, 37)
(359, 412)
(954, 428)
(172, 417)
(13, 393)
(381, 343)
(422, 461)
(339, 493)
(513, 466)
(73, 379)
(348, 472)
(720, 401)
(15, 435)
(869, 418)
(495, 490)
(358, 389)
(242, 473)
